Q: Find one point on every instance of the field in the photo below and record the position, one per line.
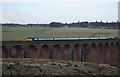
(19, 33)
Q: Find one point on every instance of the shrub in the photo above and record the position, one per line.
(10, 66)
(89, 71)
(17, 63)
(76, 65)
(114, 65)
(53, 64)
(59, 65)
(85, 65)
(100, 69)
(69, 64)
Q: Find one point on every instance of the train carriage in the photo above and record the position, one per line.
(74, 38)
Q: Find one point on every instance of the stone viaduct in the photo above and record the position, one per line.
(95, 51)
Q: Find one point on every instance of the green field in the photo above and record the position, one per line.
(19, 33)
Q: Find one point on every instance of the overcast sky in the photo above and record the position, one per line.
(46, 11)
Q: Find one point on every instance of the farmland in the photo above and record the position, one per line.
(18, 33)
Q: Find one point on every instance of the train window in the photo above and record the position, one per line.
(94, 38)
(82, 38)
(38, 38)
(35, 39)
(102, 37)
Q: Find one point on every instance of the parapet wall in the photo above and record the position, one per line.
(95, 51)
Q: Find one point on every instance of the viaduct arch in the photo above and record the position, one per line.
(95, 51)
(67, 52)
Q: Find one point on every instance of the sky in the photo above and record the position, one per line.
(46, 11)
(119, 11)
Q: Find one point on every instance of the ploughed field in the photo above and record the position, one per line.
(18, 33)
(53, 67)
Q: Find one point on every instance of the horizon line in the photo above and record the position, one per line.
(59, 22)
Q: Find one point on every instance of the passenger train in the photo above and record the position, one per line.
(68, 39)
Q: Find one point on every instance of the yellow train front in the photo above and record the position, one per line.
(28, 39)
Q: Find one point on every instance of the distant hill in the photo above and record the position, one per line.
(86, 24)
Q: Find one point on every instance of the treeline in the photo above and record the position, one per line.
(105, 25)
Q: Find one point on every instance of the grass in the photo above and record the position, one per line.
(18, 33)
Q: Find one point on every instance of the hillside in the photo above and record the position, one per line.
(54, 67)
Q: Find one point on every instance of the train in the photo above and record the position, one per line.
(68, 38)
